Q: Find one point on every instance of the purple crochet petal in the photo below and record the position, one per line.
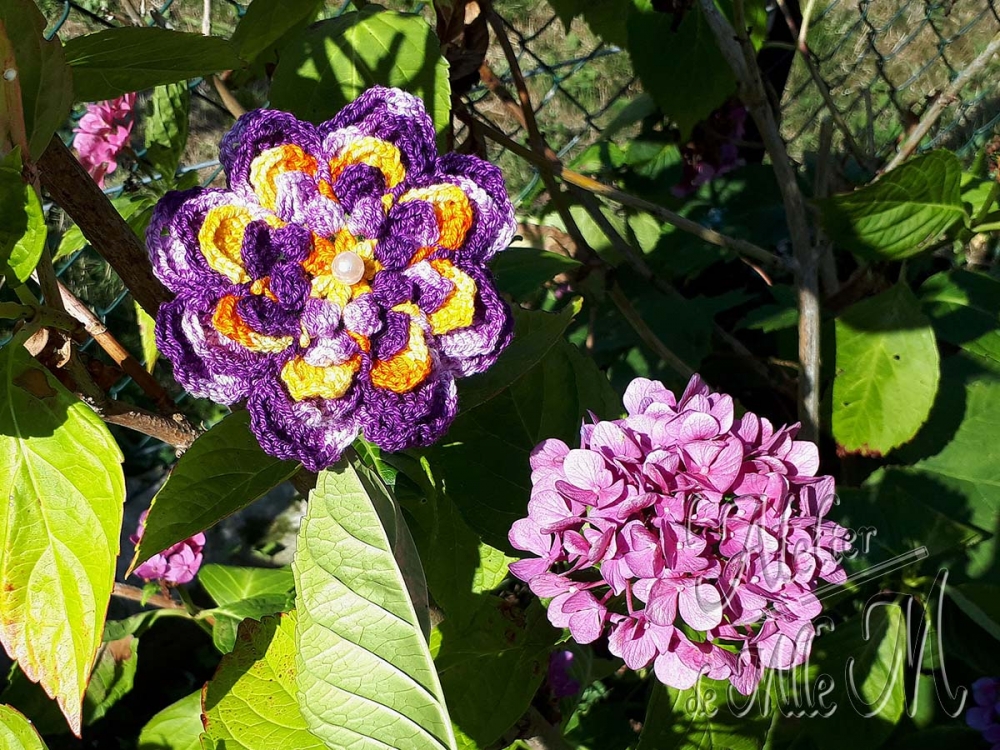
(313, 431)
(395, 421)
(256, 132)
(393, 337)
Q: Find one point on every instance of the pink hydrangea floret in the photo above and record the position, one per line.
(103, 133)
(694, 539)
(175, 565)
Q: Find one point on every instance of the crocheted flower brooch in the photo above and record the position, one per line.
(339, 285)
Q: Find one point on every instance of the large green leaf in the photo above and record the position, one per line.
(900, 214)
(496, 660)
(699, 719)
(16, 732)
(62, 475)
(22, 236)
(964, 308)
(535, 333)
(266, 21)
(241, 593)
(223, 471)
(166, 128)
(332, 62)
(521, 271)
(887, 372)
(113, 62)
(679, 64)
(250, 703)
(177, 727)
(483, 462)
(43, 88)
(606, 18)
(364, 668)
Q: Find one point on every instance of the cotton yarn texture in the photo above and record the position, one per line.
(339, 284)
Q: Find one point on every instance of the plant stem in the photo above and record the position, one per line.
(45, 317)
(134, 593)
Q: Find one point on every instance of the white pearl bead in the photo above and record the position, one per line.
(348, 267)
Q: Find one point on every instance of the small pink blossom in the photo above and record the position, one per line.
(175, 565)
(103, 133)
(693, 539)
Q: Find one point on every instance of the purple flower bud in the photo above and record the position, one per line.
(175, 565)
(560, 681)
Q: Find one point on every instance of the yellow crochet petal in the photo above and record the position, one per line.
(274, 161)
(374, 152)
(221, 240)
(304, 380)
(227, 321)
(459, 308)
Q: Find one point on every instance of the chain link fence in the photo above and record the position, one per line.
(882, 61)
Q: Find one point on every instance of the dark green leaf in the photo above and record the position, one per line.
(167, 127)
(113, 62)
(330, 64)
(42, 92)
(900, 214)
(679, 64)
(363, 663)
(964, 308)
(137, 210)
(520, 271)
(887, 372)
(496, 660)
(177, 727)
(23, 230)
(223, 471)
(251, 703)
(699, 718)
(16, 732)
(266, 21)
(62, 478)
(981, 602)
(606, 18)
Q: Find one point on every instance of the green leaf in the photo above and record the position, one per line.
(981, 602)
(137, 210)
(43, 88)
(520, 271)
(250, 703)
(483, 462)
(113, 62)
(22, 234)
(332, 62)
(900, 214)
(606, 18)
(887, 372)
(680, 65)
(964, 308)
(166, 128)
(112, 678)
(497, 660)
(224, 470)
(242, 593)
(699, 718)
(62, 475)
(16, 732)
(147, 337)
(266, 21)
(177, 727)
(535, 333)
(364, 668)
(867, 653)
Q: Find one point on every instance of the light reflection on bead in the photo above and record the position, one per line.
(348, 267)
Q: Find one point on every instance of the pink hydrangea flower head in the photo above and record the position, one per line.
(175, 565)
(103, 133)
(681, 518)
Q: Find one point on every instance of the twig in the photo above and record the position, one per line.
(231, 103)
(45, 317)
(741, 247)
(206, 18)
(78, 195)
(942, 102)
(739, 53)
(824, 248)
(541, 735)
(135, 594)
(104, 338)
(649, 338)
(166, 429)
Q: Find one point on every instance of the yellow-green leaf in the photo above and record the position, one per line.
(16, 732)
(59, 529)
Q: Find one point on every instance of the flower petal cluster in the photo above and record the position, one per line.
(693, 538)
(175, 565)
(712, 150)
(339, 285)
(561, 682)
(985, 715)
(103, 133)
